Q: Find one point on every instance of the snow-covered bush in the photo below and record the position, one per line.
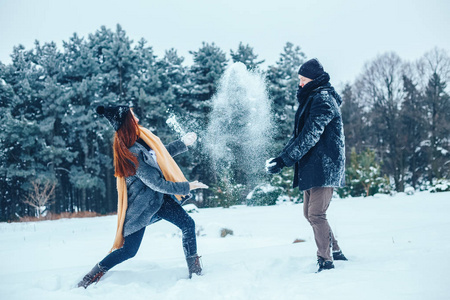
(227, 194)
(409, 190)
(441, 185)
(363, 176)
(284, 180)
(263, 195)
(191, 208)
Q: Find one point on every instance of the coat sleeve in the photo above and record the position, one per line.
(320, 115)
(152, 178)
(176, 147)
(291, 140)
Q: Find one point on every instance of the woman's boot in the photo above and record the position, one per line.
(93, 276)
(194, 265)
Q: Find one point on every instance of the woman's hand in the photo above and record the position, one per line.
(189, 138)
(197, 185)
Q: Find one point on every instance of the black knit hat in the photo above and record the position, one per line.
(115, 114)
(311, 69)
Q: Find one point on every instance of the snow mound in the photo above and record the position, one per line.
(191, 208)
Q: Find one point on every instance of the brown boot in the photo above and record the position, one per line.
(194, 265)
(93, 276)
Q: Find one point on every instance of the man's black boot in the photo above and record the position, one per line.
(324, 264)
(338, 255)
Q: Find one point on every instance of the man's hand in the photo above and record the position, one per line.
(274, 165)
(189, 138)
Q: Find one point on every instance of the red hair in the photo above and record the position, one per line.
(125, 162)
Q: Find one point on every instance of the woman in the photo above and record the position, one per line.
(150, 187)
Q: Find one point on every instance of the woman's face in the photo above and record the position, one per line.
(134, 116)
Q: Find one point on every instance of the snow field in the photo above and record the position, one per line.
(397, 249)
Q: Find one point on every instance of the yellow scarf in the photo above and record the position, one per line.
(169, 168)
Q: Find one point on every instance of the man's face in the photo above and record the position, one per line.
(303, 80)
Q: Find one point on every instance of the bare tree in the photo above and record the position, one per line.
(433, 70)
(381, 90)
(40, 195)
(381, 81)
(436, 61)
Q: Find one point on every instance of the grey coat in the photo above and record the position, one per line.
(147, 187)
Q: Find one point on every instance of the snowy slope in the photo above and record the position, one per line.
(397, 249)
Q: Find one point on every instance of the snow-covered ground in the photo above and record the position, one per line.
(397, 249)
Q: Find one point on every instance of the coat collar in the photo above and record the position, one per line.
(147, 157)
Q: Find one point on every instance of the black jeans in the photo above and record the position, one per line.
(170, 211)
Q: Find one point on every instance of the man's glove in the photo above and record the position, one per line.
(274, 165)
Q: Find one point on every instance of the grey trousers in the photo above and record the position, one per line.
(315, 205)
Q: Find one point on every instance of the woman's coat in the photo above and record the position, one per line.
(147, 187)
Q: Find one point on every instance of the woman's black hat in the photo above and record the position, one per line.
(115, 114)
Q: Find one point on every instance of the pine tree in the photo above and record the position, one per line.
(7, 206)
(282, 79)
(438, 107)
(147, 89)
(204, 75)
(55, 154)
(24, 119)
(354, 120)
(414, 129)
(175, 94)
(174, 79)
(209, 64)
(364, 175)
(245, 55)
(105, 83)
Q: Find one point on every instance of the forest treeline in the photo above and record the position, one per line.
(54, 145)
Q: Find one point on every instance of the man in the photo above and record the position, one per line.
(316, 150)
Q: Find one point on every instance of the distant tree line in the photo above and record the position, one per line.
(51, 136)
(401, 111)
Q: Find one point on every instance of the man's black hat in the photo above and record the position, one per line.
(311, 69)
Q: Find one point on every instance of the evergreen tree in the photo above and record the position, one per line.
(209, 63)
(438, 107)
(175, 93)
(245, 55)
(81, 179)
(282, 80)
(284, 180)
(174, 80)
(55, 154)
(354, 120)
(25, 132)
(414, 129)
(110, 86)
(146, 88)
(7, 207)
(364, 175)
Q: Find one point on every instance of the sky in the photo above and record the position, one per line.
(343, 35)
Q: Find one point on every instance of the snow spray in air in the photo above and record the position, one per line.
(240, 127)
(175, 125)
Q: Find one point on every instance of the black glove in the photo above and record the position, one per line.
(275, 165)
